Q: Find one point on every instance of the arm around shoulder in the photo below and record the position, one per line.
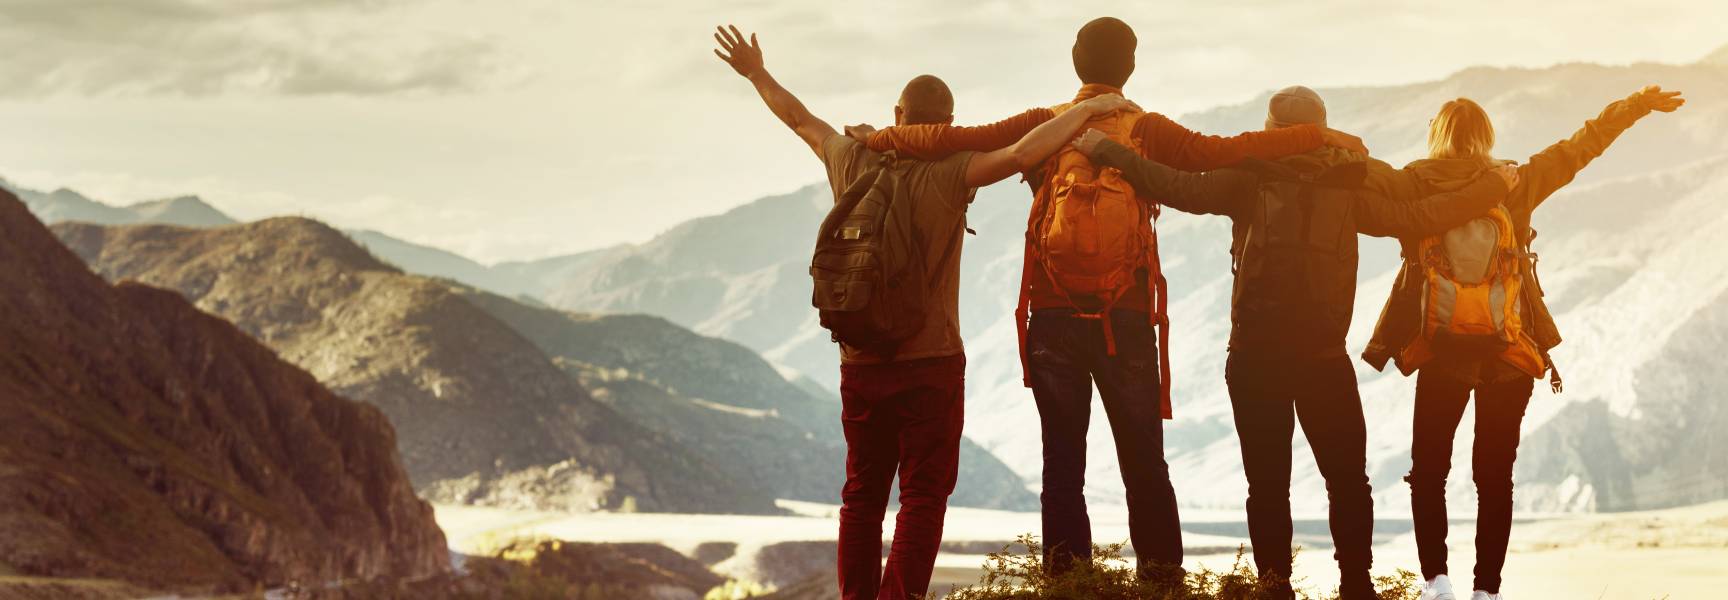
(1218, 192)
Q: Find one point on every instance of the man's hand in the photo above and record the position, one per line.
(1088, 142)
(860, 132)
(1653, 98)
(1507, 174)
(1105, 103)
(1339, 139)
(746, 59)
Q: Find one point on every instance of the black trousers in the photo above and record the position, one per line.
(1440, 402)
(1067, 356)
(1269, 395)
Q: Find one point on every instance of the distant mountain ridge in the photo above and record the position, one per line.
(488, 417)
(145, 441)
(483, 416)
(67, 205)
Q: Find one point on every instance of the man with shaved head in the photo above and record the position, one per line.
(901, 406)
(1071, 342)
(926, 99)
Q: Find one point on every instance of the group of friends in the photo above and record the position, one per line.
(1466, 313)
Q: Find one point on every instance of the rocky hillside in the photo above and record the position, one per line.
(798, 420)
(483, 416)
(145, 441)
(720, 399)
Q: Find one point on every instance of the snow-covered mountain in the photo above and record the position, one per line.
(1629, 261)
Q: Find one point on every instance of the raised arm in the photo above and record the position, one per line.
(1170, 143)
(746, 59)
(1044, 140)
(1557, 165)
(1220, 192)
(934, 142)
(1385, 214)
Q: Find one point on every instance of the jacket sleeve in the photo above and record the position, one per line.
(1170, 143)
(934, 142)
(1387, 213)
(1555, 166)
(1220, 192)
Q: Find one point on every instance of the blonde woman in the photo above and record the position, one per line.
(1502, 376)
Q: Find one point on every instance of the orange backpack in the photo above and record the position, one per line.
(1091, 235)
(1473, 279)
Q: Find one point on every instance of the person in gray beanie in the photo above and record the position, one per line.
(1294, 257)
(1295, 105)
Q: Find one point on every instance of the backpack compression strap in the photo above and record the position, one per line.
(1159, 289)
(1023, 307)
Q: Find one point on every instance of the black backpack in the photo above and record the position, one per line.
(869, 273)
(1294, 256)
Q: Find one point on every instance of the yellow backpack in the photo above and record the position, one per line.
(1473, 279)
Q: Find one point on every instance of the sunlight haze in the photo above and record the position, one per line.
(519, 129)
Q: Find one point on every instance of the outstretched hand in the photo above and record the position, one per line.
(1654, 98)
(1339, 139)
(745, 58)
(1088, 142)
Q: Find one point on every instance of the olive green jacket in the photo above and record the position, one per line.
(1546, 172)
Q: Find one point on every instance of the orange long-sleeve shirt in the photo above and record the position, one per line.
(1162, 140)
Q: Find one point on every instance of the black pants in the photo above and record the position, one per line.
(1268, 396)
(1440, 402)
(1067, 356)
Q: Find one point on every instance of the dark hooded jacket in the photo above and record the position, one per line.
(1374, 201)
(1545, 173)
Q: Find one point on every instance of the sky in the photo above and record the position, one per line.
(518, 129)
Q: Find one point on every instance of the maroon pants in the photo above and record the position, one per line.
(906, 417)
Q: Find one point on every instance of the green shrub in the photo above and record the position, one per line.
(1022, 576)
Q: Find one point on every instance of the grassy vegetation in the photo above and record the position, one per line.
(1022, 576)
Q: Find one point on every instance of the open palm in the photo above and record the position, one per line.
(1659, 100)
(746, 59)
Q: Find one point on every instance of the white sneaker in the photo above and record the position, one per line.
(1481, 595)
(1438, 588)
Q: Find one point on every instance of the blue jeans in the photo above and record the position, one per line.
(1066, 356)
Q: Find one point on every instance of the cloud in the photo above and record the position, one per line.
(213, 47)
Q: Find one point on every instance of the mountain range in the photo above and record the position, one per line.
(1629, 267)
(144, 441)
(492, 395)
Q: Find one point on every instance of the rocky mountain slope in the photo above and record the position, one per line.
(721, 399)
(143, 440)
(740, 276)
(436, 355)
(482, 415)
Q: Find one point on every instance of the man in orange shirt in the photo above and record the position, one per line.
(902, 409)
(1066, 344)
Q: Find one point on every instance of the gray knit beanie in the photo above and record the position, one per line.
(1295, 105)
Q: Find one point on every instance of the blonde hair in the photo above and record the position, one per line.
(1461, 130)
